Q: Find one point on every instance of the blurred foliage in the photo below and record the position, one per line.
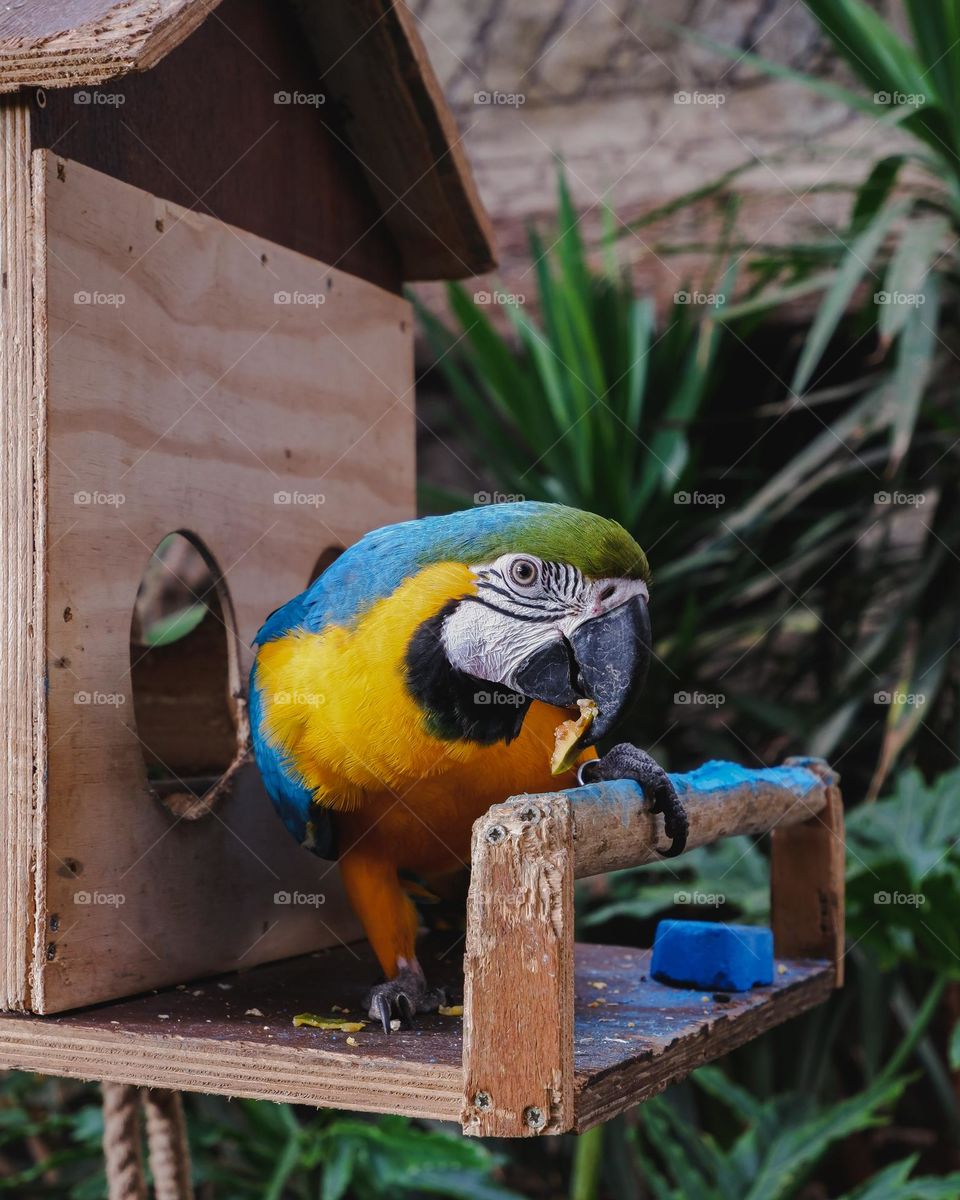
(781, 1141)
(331, 1156)
(903, 866)
(51, 1130)
(177, 590)
(889, 281)
(800, 548)
(594, 407)
(729, 878)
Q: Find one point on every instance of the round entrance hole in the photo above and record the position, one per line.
(184, 673)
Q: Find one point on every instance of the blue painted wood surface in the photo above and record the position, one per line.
(714, 779)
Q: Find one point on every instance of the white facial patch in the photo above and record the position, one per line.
(522, 605)
(492, 645)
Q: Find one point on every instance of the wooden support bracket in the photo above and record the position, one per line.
(518, 972)
(807, 879)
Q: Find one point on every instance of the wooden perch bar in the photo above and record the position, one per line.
(613, 827)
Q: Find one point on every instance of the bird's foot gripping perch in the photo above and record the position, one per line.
(403, 996)
(627, 762)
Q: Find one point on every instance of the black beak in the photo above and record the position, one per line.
(606, 660)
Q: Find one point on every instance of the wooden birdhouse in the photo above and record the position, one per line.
(209, 212)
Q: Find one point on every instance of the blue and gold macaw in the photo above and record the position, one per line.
(421, 678)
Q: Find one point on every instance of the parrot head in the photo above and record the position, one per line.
(557, 612)
(546, 631)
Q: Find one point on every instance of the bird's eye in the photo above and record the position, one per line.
(523, 571)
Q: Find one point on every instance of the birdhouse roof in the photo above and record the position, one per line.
(373, 64)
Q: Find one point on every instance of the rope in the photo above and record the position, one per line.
(121, 1142)
(187, 807)
(166, 1138)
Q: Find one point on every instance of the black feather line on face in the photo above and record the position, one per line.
(539, 605)
(517, 615)
(449, 696)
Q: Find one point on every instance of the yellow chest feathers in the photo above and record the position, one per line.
(338, 706)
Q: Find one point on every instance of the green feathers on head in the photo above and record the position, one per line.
(598, 547)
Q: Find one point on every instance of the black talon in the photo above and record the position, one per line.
(675, 823)
(401, 998)
(382, 1006)
(628, 762)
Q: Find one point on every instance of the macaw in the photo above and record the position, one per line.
(420, 679)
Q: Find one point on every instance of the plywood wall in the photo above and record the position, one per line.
(191, 376)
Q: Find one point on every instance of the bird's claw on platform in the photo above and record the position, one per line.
(628, 762)
(401, 998)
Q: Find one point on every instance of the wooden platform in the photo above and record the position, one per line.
(234, 1035)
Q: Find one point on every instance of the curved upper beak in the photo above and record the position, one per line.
(606, 659)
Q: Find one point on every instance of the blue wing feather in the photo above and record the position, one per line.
(292, 800)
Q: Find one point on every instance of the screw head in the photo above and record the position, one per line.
(531, 815)
(482, 1100)
(534, 1117)
(496, 834)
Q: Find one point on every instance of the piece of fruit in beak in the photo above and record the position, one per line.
(568, 736)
